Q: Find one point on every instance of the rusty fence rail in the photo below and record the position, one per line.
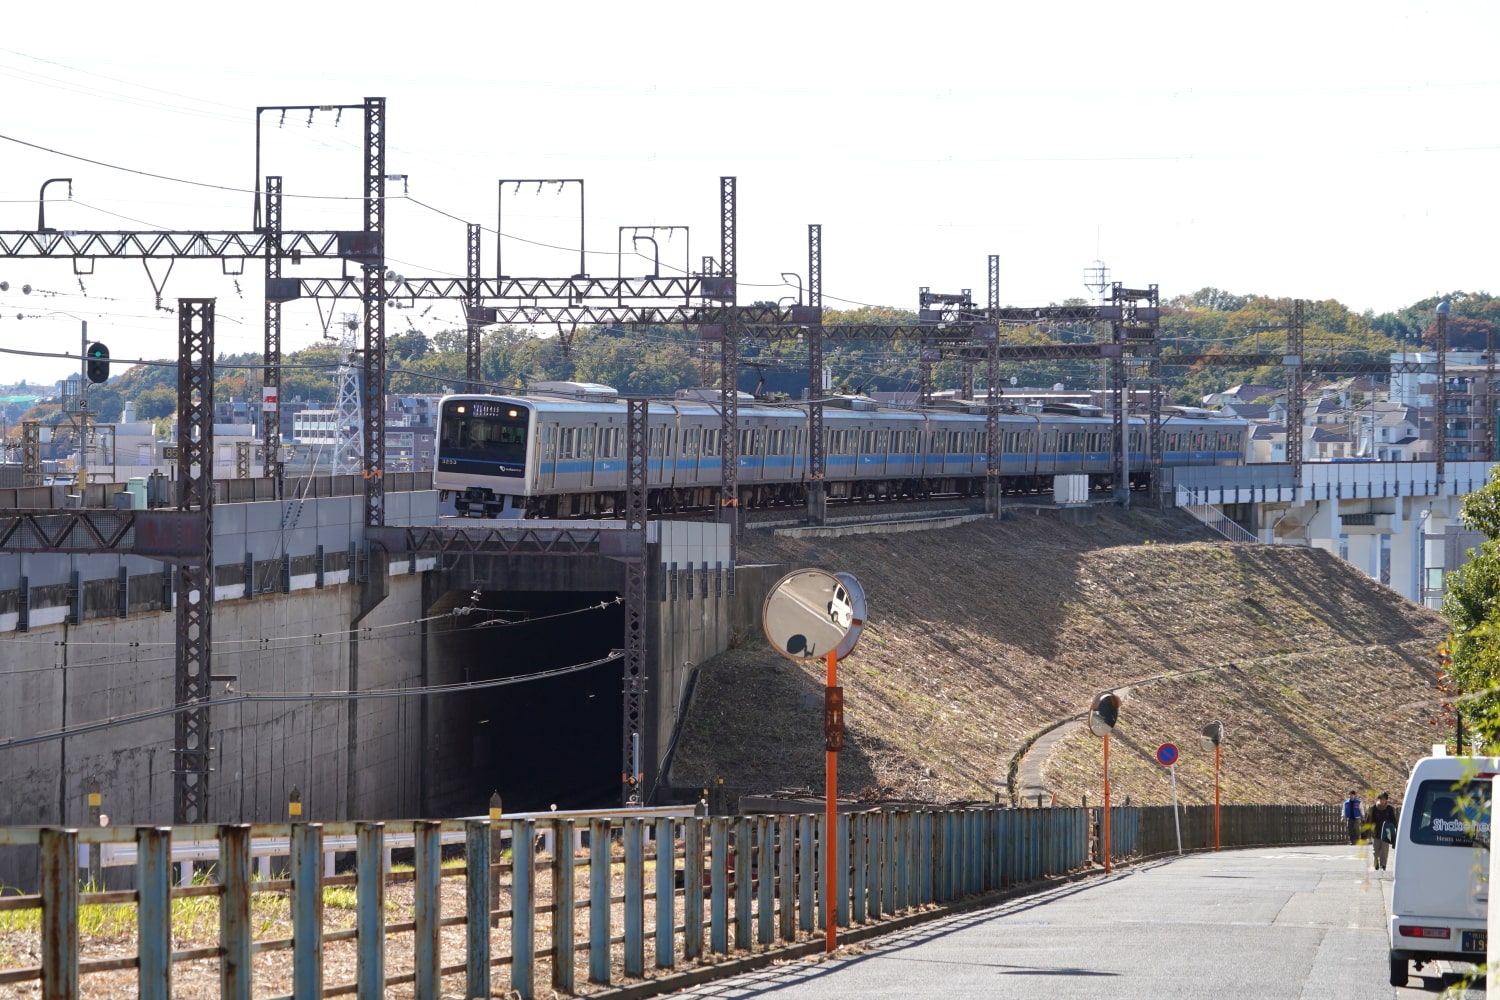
(606, 899)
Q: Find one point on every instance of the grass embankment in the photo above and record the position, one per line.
(983, 635)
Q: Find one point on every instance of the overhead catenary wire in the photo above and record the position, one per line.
(221, 647)
(299, 696)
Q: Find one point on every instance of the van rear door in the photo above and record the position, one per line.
(1448, 825)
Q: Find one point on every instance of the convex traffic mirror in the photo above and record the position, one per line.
(811, 612)
(1104, 713)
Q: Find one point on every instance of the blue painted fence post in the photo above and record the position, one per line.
(718, 886)
(692, 889)
(665, 910)
(821, 834)
(908, 860)
(153, 845)
(477, 906)
(858, 855)
(925, 860)
(744, 874)
(564, 891)
(805, 873)
(765, 883)
(635, 906)
(427, 859)
(841, 870)
(522, 908)
(369, 918)
(786, 838)
(888, 860)
(600, 893)
(235, 932)
(59, 859)
(307, 911)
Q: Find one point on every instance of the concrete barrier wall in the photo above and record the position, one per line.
(66, 677)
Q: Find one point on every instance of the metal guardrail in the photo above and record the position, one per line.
(1213, 517)
(100, 495)
(621, 882)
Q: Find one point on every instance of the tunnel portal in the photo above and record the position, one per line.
(552, 741)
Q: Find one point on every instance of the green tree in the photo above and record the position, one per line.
(155, 403)
(1472, 607)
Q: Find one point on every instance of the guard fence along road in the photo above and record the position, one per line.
(610, 899)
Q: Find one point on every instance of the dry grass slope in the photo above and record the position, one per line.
(982, 636)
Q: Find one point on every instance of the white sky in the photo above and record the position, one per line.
(1319, 150)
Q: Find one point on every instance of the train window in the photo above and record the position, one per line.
(882, 442)
(966, 443)
(710, 442)
(982, 442)
(549, 443)
(655, 442)
(567, 443)
(609, 442)
(586, 443)
(690, 442)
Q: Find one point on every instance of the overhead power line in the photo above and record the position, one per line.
(300, 696)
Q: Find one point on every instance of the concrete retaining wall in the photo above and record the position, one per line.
(63, 676)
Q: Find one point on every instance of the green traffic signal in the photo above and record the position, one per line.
(98, 363)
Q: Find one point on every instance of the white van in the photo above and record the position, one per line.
(1440, 891)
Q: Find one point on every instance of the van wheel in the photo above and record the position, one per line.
(1399, 970)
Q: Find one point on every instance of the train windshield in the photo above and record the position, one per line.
(483, 437)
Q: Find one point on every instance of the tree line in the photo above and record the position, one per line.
(658, 360)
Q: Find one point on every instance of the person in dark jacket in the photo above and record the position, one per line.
(1354, 816)
(1383, 828)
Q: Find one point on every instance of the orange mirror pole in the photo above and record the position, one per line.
(1216, 796)
(830, 828)
(1106, 803)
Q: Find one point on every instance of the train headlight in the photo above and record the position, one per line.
(460, 409)
(514, 413)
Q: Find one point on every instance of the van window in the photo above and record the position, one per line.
(1447, 817)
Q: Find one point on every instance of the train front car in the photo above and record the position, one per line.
(485, 446)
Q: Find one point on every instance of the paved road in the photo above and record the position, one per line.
(1274, 924)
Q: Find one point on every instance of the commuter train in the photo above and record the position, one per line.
(560, 450)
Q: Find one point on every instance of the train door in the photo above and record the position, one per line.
(1046, 458)
(710, 455)
(547, 466)
(692, 439)
(586, 435)
(753, 453)
(655, 446)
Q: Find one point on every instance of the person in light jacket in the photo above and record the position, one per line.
(1383, 828)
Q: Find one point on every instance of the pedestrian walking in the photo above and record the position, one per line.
(1383, 829)
(1354, 816)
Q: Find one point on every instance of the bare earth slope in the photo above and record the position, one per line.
(983, 636)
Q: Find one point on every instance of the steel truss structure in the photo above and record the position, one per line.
(194, 585)
(165, 245)
(636, 485)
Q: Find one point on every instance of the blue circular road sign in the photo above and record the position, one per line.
(1166, 754)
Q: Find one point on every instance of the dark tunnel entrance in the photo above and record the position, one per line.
(553, 741)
